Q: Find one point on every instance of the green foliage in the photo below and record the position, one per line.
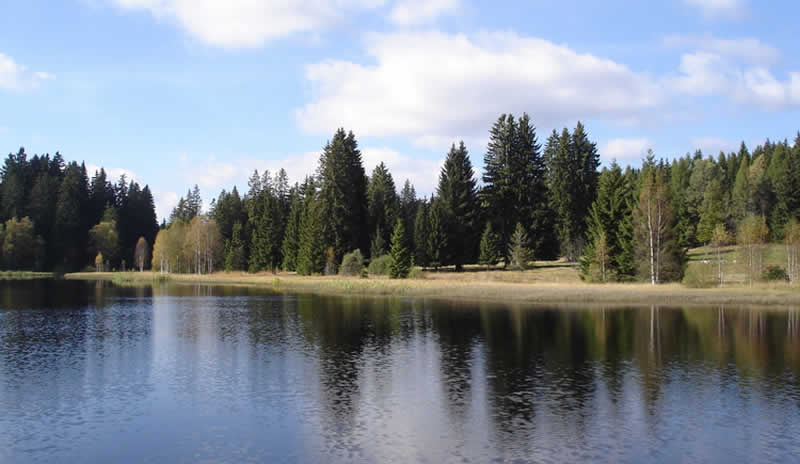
(383, 206)
(515, 186)
(437, 237)
(21, 246)
(343, 195)
(608, 232)
(775, 274)
(352, 264)
(234, 250)
(401, 256)
(311, 253)
(490, 248)
(519, 254)
(572, 183)
(699, 276)
(380, 265)
(458, 208)
(422, 236)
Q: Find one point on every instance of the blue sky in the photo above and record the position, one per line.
(177, 92)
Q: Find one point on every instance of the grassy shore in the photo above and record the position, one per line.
(24, 275)
(547, 283)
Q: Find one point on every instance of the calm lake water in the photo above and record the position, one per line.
(95, 373)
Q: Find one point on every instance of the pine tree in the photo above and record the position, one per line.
(422, 236)
(519, 254)
(515, 187)
(401, 256)
(311, 252)
(489, 253)
(343, 195)
(437, 236)
(383, 205)
(607, 218)
(408, 211)
(457, 195)
(70, 233)
(742, 202)
(291, 238)
(712, 211)
(234, 250)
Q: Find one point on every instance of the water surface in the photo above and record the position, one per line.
(95, 373)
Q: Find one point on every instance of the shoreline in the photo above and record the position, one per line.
(477, 289)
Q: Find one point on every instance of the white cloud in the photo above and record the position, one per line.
(165, 201)
(710, 74)
(748, 49)
(719, 8)
(625, 149)
(434, 86)
(208, 172)
(15, 76)
(416, 12)
(423, 173)
(248, 23)
(713, 145)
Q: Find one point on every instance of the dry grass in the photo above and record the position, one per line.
(548, 283)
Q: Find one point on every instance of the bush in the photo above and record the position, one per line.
(352, 264)
(699, 276)
(364, 273)
(416, 273)
(775, 274)
(380, 265)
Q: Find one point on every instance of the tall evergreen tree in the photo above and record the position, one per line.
(291, 238)
(401, 256)
(383, 204)
(422, 236)
(343, 195)
(70, 233)
(457, 194)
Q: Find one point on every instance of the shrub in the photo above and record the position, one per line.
(416, 273)
(364, 273)
(352, 264)
(775, 274)
(699, 276)
(380, 265)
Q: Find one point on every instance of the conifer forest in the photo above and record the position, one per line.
(537, 199)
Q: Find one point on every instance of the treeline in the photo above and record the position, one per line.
(534, 202)
(54, 217)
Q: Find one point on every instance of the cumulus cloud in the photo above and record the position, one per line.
(719, 8)
(435, 86)
(625, 149)
(748, 49)
(165, 201)
(423, 173)
(14, 76)
(248, 23)
(208, 172)
(738, 69)
(416, 12)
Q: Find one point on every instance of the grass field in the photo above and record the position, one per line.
(24, 275)
(548, 282)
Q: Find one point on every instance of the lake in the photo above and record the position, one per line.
(90, 372)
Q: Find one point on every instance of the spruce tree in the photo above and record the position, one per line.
(457, 195)
(343, 195)
(311, 253)
(712, 211)
(742, 203)
(401, 256)
(422, 236)
(291, 237)
(437, 236)
(383, 205)
(234, 252)
(489, 253)
(519, 254)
